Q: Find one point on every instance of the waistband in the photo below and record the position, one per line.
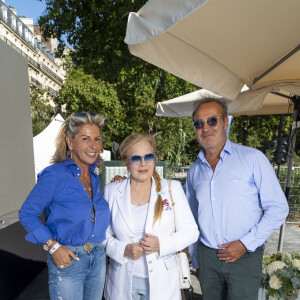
(260, 248)
(87, 247)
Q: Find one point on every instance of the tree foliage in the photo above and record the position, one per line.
(41, 111)
(125, 88)
(83, 92)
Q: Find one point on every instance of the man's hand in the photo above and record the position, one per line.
(232, 251)
(118, 178)
(150, 243)
(133, 251)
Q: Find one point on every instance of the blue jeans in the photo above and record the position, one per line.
(140, 288)
(83, 279)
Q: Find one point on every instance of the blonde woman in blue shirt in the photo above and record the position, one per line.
(76, 214)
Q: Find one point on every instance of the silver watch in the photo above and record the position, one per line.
(48, 244)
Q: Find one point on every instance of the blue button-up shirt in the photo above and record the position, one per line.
(67, 207)
(228, 204)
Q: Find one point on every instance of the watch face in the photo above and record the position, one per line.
(46, 247)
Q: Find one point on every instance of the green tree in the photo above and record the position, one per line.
(41, 111)
(82, 92)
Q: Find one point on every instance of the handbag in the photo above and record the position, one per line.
(182, 259)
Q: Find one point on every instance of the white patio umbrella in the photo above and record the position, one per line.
(261, 104)
(221, 45)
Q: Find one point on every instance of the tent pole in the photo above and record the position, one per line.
(278, 139)
(296, 100)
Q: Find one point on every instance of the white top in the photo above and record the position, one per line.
(139, 216)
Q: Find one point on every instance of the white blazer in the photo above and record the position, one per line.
(162, 266)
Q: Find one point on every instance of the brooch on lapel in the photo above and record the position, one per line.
(166, 205)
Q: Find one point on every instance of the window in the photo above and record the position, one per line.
(4, 11)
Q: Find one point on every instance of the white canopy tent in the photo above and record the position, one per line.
(44, 145)
(183, 106)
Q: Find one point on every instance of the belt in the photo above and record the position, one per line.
(260, 248)
(88, 247)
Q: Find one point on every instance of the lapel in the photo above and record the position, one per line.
(123, 201)
(150, 215)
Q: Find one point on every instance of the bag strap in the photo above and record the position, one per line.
(173, 204)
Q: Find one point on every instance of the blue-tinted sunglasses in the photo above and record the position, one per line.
(136, 159)
(81, 114)
(211, 122)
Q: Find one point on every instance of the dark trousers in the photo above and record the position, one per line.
(229, 281)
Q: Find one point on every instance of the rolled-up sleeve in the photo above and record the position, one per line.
(31, 210)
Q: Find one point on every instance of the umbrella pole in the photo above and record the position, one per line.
(296, 100)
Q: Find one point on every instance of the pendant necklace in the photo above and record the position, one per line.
(87, 186)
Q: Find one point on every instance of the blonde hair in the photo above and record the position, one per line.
(132, 139)
(70, 128)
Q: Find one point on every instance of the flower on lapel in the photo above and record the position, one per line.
(166, 205)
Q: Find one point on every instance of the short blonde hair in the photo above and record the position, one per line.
(129, 141)
(70, 128)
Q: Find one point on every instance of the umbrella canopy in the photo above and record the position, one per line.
(221, 45)
(259, 104)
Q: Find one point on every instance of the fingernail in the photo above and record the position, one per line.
(77, 258)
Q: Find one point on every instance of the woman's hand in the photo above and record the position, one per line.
(133, 251)
(150, 243)
(61, 257)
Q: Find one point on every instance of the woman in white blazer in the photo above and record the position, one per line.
(140, 240)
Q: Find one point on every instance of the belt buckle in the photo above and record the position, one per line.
(87, 247)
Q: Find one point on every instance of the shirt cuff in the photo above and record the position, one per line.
(39, 236)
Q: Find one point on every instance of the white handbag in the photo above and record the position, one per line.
(182, 259)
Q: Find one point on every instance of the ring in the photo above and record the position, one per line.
(61, 266)
(150, 250)
(228, 258)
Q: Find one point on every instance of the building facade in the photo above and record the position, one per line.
(44, 70)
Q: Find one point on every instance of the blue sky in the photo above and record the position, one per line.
(28, 8)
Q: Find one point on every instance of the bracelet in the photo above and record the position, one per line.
(54, 248)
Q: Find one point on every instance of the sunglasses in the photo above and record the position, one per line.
(136, 159)
(81, 114)
(211, 122)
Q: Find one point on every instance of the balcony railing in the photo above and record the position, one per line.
(44, 67)
(52, 91)
(35, 82)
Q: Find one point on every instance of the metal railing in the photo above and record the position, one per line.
(44, 67)
(36, 82)
(52, 91)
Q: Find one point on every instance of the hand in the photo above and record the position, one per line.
(118, 178)
(232, 251)
(61, 256)
(133, 251)
(150, 243)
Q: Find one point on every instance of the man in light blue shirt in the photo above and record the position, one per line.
(237, 202)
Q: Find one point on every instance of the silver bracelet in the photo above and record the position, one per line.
(54, 248)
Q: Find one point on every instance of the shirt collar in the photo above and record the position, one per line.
(76, 170)
(226, 149)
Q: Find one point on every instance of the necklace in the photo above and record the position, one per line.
(86, 184)
(89, 188)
